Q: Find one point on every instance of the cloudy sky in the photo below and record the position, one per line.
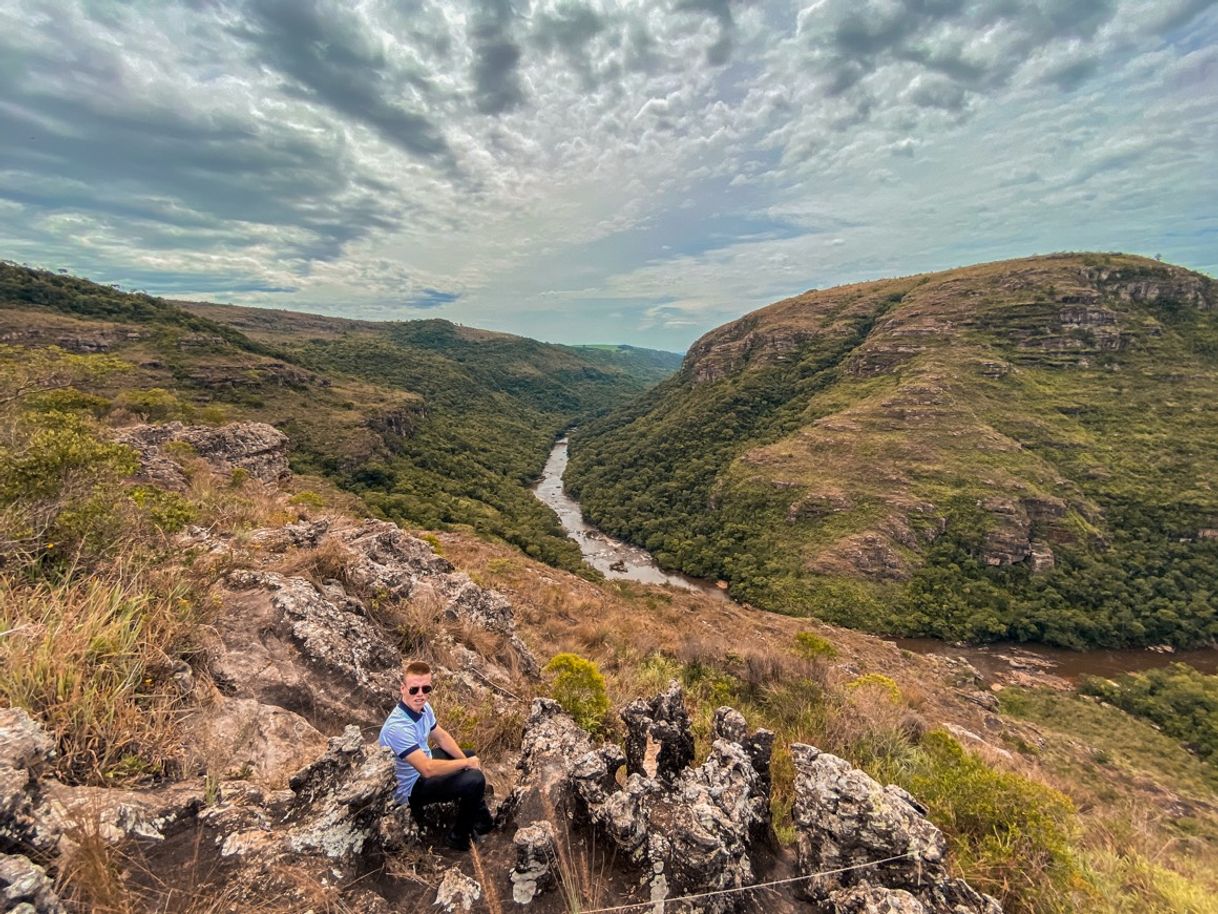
(587, 171)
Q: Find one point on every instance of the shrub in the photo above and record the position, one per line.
(58, 482)
(1011, 835)
(167, 511)
(152, 405)
(307, 499)
(68, 400)
(812, 646)
(580, 688)
(878, 683)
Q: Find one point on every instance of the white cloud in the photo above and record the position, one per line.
(675, 163)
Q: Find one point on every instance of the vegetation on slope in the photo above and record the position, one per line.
(1018, 450)
(1180, 699)
(433, 424)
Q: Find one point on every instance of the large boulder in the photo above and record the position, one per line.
(284, 641)
(330, 820)
(852, 831)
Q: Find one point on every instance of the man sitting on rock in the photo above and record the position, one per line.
(427, 775)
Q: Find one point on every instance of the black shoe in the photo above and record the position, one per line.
(485, 824)
(457, 842)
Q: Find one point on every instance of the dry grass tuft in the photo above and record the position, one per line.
(94, 658)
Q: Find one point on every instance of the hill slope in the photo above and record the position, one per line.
(432, 423)
(1014, 450)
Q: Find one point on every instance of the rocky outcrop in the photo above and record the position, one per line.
(314, 648)
(328, 821)
(685, 829)
(1016, 525)
(28, 822)
(659, 742)
(875, 847)
(283, 641)
(259, 449)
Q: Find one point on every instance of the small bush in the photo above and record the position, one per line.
(68, 400)
(812, 646)
(580, 688)
(167, 511)
(152, 405)
(878, 683)
(1011, 835)
(307, 499)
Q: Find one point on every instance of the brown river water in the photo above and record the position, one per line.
(621, 561)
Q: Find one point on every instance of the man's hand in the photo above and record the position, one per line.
(471, 761)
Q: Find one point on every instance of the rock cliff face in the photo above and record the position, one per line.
(259, 449)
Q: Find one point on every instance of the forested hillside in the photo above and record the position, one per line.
(1018, 450)
(431, 423)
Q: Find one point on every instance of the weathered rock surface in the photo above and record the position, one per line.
(25, 888)
(258, 448)
(536, 861)
(856, 831)
(241, 737)
(686, 829)
(282, 642)
(457, 892)
(28, 822)
(328, 821)
(659, 742)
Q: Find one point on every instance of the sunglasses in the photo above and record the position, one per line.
(415, 690)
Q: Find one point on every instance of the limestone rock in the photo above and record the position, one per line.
(116, 814)
(333, 817)
(258, 448)
(25, 888)
(457, 892)
(536, 859)
(844, 819)
(659, 742)
(866, 898)
(282, 642)
(689, 829)
(243, 737)
(552, 743)
(28, 823)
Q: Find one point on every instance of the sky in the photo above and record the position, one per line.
(634, 172)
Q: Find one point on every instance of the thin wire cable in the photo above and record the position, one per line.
(746, 888)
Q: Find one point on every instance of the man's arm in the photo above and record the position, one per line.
(446, 742)
(429, 767)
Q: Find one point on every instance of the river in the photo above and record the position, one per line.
(621, 561)
(611, 557)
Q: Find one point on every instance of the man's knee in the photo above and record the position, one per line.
(473, 781)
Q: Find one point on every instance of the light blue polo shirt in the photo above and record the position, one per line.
(403, 733)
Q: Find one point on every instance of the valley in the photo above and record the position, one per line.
(219, 539)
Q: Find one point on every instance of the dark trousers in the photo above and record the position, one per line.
(466, 787)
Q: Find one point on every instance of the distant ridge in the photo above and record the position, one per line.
(1022, 449)
(428, 422)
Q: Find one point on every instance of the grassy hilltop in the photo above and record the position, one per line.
(1021, 449)
(431, 423)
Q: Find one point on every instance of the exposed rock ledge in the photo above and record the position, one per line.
(258, 448)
